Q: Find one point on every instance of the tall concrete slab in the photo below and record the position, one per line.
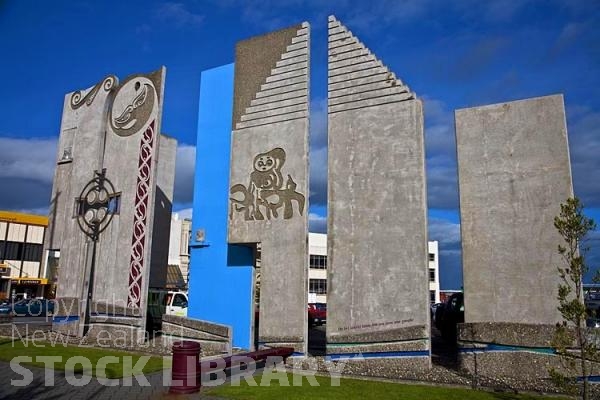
(378, 296)
(112, 128)
(514, 172)
(269, 176)
(79, 153)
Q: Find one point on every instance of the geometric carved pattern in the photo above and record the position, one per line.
(284, 94)
(356, 78)
(140, 223)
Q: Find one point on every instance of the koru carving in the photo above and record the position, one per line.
(107, 84)
(134, 106)
(266, 194)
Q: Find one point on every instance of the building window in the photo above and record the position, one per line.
(11, 251)
(432, 296)
(32, 252)
(431, 256)
(318, 286)
(18, 251)
(431, 275)
(318, 262)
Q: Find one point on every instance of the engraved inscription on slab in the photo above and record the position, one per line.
(266, 196)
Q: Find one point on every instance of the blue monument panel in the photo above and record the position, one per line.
(221, 276)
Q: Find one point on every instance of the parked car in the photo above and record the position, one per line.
(592, 323)
(161, 302)
(317, 313)
(433, 309)
(449, 315)
(33, 308)
(5, 308)
(592, 301)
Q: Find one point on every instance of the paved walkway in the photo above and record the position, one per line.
(62, 389)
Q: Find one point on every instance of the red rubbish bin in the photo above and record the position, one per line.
(185, 372)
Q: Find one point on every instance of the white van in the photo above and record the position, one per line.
(161, 302)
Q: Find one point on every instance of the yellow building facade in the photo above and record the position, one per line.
(22, 254)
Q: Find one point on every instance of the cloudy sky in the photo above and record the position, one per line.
(453, 54)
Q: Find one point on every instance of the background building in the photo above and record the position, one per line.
(434, 272)
(317, 269)
(179, 252)
(21, 254)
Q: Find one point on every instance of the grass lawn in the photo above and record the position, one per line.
(10, 349)
(356, 389)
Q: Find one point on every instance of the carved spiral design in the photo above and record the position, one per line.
(107, 84)
(76, 100)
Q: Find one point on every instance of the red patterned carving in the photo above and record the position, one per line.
(140, 222)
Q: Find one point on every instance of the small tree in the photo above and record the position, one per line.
(571, 340)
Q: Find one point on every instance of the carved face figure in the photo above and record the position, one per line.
(264, 163)
(267, 169)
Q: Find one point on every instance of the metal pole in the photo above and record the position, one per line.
(90, 291)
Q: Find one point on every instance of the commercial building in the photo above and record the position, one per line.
(179, 253)
(21, 254)
(317, 271)
(434, 272)
(317, 268)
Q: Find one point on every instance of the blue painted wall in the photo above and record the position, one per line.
(220, 282)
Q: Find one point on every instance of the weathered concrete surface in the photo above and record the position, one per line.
(79, 153)
(213, 338)
(521, 367)
(515, 351)
(514, 172)
(269, 184)
(117, 127)
(377, 278)
(508, 334)
(163, 205)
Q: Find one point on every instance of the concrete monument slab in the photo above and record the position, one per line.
(378, 296)
(269, 176)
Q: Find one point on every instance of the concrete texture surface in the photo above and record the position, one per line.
(269, 180)
(377, 230)
(99, 132)
(514, 172)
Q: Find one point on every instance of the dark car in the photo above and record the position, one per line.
(449, 314)
(433, 308)
(6, 308)
(33, 308)
(317, 313)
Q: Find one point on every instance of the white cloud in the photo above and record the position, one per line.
(32, 159)
(318, 177)
(318, 123)
(318, 152)
(440, 148)
(444, 231)
(185, 213)
(317, 223)
(584, 144)
(179, 14)
(184, 174)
